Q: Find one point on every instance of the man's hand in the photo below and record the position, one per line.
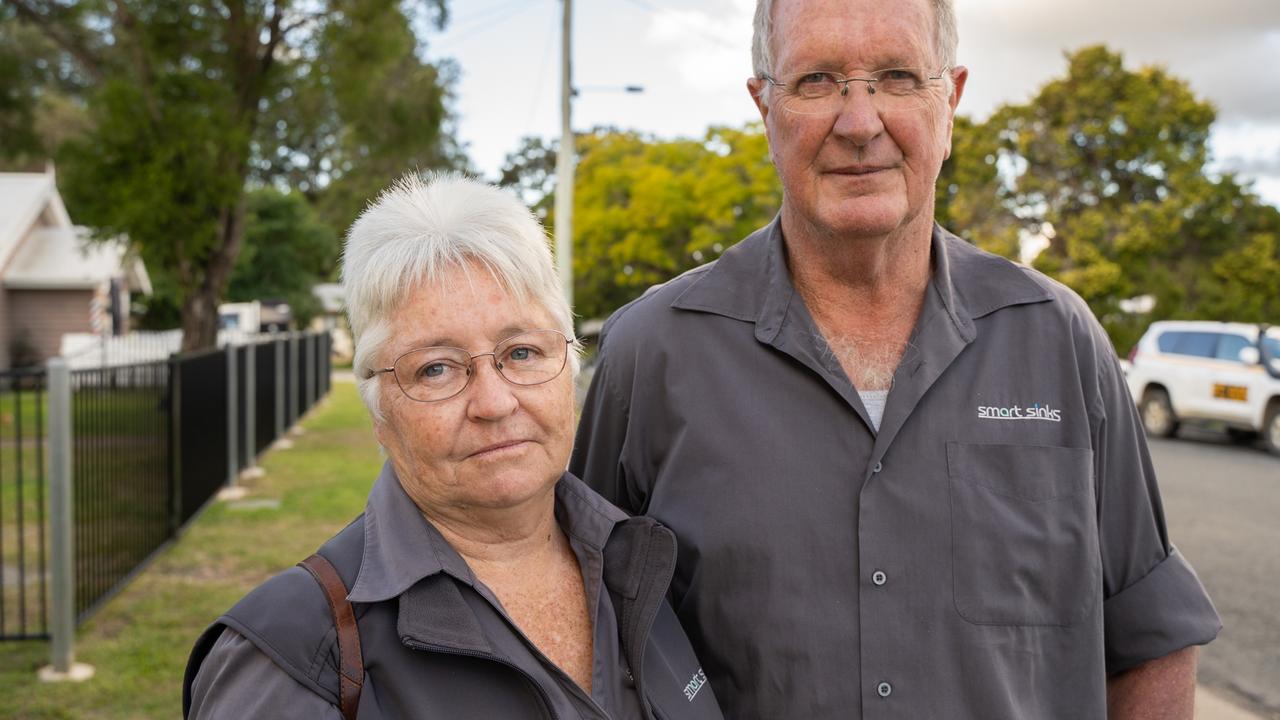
(1160, 689)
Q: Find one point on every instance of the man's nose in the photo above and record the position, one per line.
(491, 396)
(858, 119)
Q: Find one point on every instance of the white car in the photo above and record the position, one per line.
(1215, 372)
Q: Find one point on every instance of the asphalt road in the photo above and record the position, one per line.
(1222, 502)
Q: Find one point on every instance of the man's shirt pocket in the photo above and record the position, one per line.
(1024, 533)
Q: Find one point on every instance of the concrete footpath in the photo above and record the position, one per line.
(1211, 706)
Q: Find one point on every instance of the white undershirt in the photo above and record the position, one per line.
(873, 401)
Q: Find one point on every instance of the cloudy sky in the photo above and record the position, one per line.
(693, 57)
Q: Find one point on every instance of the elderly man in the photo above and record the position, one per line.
(906, 476)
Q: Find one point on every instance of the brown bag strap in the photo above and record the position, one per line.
(351, 663)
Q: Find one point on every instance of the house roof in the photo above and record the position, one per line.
(24, 199)
(41, 249)
(69, 259)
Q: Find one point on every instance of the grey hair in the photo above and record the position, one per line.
(420, 229)
(946, 37)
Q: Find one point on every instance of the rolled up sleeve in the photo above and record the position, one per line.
(1154, 602)
(1162, 613)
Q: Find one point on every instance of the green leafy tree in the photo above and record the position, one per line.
(531, 172)
(970, 195)
(1108, 165)
(646, 210)
(287, 251)
(41, 98)
(194, 103)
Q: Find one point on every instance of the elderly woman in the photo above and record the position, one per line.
(482, 580)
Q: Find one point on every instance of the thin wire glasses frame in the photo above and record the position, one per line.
(901, 84)
(429, 374)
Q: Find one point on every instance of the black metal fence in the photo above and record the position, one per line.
(289, 375)
(152, 444)
(120, 427)
(24, 582)
(201, 386)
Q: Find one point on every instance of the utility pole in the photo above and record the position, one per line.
(565, 161)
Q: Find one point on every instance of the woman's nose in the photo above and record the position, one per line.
(492, 397)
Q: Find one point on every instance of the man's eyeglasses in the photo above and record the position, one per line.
(431, 374)
(820, 92)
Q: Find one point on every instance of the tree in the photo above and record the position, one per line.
(1109, 166)
(531, 172)
(287, 251)
(41, 98)
(646, 210)
(195, 102)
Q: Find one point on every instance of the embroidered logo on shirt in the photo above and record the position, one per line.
(1030, 412)
(692, 687)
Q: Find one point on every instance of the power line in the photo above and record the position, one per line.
(651, 8)
(489, 19)
(542, 70)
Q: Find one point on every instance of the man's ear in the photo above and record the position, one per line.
(959, 76)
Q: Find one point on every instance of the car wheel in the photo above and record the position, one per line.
(1271, 429)
(1158, 418)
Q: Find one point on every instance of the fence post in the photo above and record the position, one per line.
(175, 444)
(311, 344)
(62, 624)
(323, 359)
(251, 408)
(233, 460)
(278, 342)
(295, 411)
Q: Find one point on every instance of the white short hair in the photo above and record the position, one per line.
(420, 229)
(946, 37)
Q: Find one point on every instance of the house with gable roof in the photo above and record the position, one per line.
(54, 278)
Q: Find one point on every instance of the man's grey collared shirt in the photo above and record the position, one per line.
(994, 550)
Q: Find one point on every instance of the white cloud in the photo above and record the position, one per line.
(713, 42)
(1225, 49)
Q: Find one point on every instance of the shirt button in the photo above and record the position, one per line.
(879, 578)
(877, 468)
(884, 689)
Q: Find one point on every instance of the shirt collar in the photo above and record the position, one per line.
(583, 514)
(972, 283)
(751, 282)
(401, 547)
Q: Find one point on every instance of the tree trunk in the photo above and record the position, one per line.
(200, 309)
(199, 320)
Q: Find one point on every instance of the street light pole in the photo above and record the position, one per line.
(565, 161)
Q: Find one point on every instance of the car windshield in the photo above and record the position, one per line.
(1272, 346)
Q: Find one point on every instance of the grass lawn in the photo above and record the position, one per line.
(139, 642)
(23, 409)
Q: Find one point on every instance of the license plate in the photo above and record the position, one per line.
(1231, 392)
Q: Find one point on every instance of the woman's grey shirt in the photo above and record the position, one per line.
(405, 562)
